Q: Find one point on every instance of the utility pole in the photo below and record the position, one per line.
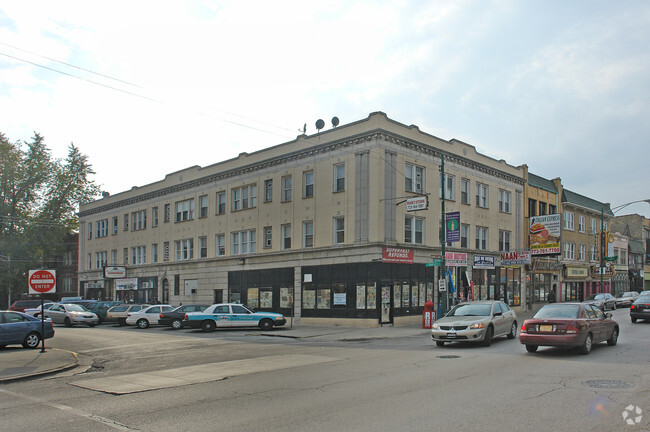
(443, 231)
(602, 248)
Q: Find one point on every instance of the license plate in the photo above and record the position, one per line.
(451, 335)
(546, 328)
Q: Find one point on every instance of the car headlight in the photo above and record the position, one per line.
(476, 326)
(434, 326)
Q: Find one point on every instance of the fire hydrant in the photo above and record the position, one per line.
(428, 316)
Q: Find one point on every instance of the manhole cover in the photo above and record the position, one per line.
(448, 356)
(608, 384)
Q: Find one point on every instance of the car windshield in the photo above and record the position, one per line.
(558, 311)
(596, 297)
(471, 310)
(628, 294)
(76, 308)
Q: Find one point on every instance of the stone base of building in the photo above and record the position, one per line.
(359, 322)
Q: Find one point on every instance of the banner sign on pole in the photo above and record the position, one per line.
(452, 221)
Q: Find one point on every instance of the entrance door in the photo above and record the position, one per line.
(386, 296)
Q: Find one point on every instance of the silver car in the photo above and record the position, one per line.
(70, 314)
(478, 321)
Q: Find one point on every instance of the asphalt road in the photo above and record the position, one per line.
(242, 381)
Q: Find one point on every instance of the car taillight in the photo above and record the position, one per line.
(186, 316)
(571, 330)
(161, 316)
(632, 307)
(523, 328)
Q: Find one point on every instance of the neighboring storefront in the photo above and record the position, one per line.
(544, 272)
(575, 283)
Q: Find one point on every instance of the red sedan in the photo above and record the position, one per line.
(569, 325)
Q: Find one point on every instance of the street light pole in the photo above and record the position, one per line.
(443, 267)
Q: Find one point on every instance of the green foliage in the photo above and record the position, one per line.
(39, 198)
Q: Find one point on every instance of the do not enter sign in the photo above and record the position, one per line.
(42, 281)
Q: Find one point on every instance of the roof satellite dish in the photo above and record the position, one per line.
(335, 121)
(320, 124)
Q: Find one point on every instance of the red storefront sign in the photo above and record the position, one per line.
(397, 255)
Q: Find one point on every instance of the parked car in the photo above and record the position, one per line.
(36, 311)
(569, 325)
(477, 321)
(147, 316)
(644, 292)
(101, 307)
(118, 314)
(604, 301)
(232, 315)
(21, 305)
(174, 318)
(626, 299)
(70, 314)
(640, 309)
(17, 328)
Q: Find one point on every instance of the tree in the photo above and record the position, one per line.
(39, 198)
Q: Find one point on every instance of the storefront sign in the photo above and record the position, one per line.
(455, 259)
(397, 255)
(544, 265)
(114, 272)
(577, 272)
(452, 220)
(483, 262)
(545, 234)
(606, 272)
(417, 203)
(126, 284)
(515, 258)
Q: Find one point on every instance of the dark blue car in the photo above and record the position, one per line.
(17, 328)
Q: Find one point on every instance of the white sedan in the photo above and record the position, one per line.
(147, 316)
(36, 312)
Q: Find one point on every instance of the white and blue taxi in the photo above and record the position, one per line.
(228, 315)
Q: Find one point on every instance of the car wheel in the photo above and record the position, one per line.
(613, 338)
(586, 346)
(633, 319)
(440, 343)
(121, 322)
(32, 340)
(142, 323)
(67, 322)
(208, 325)
(177, 324)
(266, 324)
(513, 330)
(531, 348)
(487, 339)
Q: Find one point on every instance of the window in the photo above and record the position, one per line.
(184, 249)
(203, 247)
(464, 191)
(114, 225)
(308, 234)
(244, 197)
(221, 202)
(482, 195)
(583, 252)
(594, 253)
(102, 228)
(100, 259)
(185, 210)
(138, 255)
(569, 250)
(622, 257)
(286, 188)
(221, 244)
(504, 200)
(286, 236)
(166, 251)
(154, 252)
(339, 177)
(532, 207)
(90, 261)
(450, 187)
(481, 238)
(268, 237)
(551, 209)
(592, 227)
(126, 222)
(339, 230)
(568, 220)
(114, 257)
(126, 255)
(413, 230)
(154, 216)
(203, 206)
(167, 214)
(243, 242)
(308, 180)
(414, 177)
(464, 235)
(138, 220)
(268, 190)
(504, 241)
(90, 230)
(542, 208)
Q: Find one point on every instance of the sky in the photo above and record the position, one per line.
(145, 88)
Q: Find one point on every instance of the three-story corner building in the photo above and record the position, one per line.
(316, 228)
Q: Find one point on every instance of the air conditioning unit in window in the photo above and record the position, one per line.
(147, 285)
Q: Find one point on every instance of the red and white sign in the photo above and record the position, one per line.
(417, 203)
(455, 259)
(42, 281)
(397, 255)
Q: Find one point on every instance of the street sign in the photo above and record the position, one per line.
(436, 262)
(614, 258)
(42, 281)
(442, 285)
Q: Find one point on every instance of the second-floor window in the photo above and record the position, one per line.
(138, 255)
(184, 249)
(583, 252)
(268, 237)
(221, 244)
(100, 259)
(203, 247)
(504, 241)
(481, 238)
(243, 242)
(464, 235)
(339, 230)
(594, 253)
(504, 201)
(185, 210)
(286, 236)
(569, 251)
(308, 234)
(413, 230)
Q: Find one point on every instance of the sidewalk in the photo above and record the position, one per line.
(19, 363)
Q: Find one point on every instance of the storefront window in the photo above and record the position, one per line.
(309, 297)
(405, 295)
(371, 301)
(397, 295)
(286, 298)
(266, 298)
(340, 296)
(252, 298)
(323, 298)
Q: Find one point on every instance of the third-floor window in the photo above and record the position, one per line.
(185, 210)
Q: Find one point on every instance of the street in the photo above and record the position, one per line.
(250, 382)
